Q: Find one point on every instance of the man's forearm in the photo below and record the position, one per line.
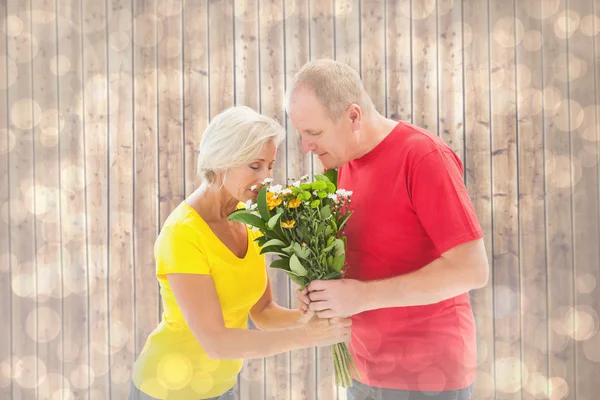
(277, 317)
(437, 281)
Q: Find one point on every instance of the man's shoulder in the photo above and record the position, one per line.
(419, 142)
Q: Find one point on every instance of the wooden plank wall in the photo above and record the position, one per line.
(102, 103)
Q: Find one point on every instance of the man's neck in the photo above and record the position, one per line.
(374, 130)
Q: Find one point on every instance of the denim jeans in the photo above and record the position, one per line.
(137, 394)
(360, 391)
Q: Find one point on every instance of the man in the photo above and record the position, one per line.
(415, 246)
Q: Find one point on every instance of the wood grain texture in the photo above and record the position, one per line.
(102, 107)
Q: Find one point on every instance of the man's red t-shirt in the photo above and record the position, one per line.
(410, 205)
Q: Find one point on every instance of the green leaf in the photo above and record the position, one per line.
(328, 248)
(261, 200)
(329, 233)
(343, 220)
(249, 219)
(332, 275)
(290, 249)
(261, 240)
(240, 211)
(295, 278)
(332, 175)
(272, 250)
(282, 263)
(339, 247)
(274, 242)
(274, 219)
(325, 212)
(322, 177)
(338, 262)
(301, 252)
(296, 266)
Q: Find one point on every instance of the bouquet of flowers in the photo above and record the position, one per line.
(302, 224)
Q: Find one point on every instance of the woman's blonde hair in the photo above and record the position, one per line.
(235, 137)
(335, 84)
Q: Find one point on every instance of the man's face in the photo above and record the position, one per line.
(330, 141)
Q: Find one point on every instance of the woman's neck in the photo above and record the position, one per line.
(212, 204)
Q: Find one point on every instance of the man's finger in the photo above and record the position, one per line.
(318, 305)
(317, 296)
(318, 285)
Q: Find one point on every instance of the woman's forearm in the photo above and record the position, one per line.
(244, 343)
(274, 316)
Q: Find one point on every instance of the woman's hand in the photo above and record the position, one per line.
(326, 332)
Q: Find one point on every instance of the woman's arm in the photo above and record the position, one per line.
(197, 298)
(268, 315)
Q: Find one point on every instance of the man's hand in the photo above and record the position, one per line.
(334, 298)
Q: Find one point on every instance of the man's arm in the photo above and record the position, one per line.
(458, 270)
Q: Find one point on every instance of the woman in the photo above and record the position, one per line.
(212, 277)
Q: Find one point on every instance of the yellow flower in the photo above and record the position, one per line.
(294, 203)
(288, 224)
(272, 200)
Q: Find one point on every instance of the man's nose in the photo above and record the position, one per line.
(307, 146)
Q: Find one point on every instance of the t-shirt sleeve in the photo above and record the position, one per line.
(179, 250)
(441, 201)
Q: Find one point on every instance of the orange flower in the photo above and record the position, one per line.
(294, 203)
(272, 200)
(288, 224)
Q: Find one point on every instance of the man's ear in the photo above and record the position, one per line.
(355, 115)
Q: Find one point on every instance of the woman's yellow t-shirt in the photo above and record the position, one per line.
(172, 364)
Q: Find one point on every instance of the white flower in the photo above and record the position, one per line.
(343, 193)
(333, 197)
(286, 191)
(253, 187)
(248, 205)
(267, 181)
(297, 184)
(304, 178)
(275, 188)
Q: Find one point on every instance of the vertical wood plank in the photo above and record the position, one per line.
(97, 115)
(505, 33)
(24, 115)
(246, 26)
(399, 60)
(424, 64)
(272, 81)
(322, 40)
(347, 33)
(450, 72)
(559, 221)
(252, 380)
(322, 45)
(584, 175)
(120, 194)
(8, 73)
(303, 361)
(478, 180)
(47, 65)
(73, 218)
(150, 37)
(221, 56)
(532, 229)
(372, 51)
(196, 85)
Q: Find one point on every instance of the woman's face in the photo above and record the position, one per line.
(244, 182)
